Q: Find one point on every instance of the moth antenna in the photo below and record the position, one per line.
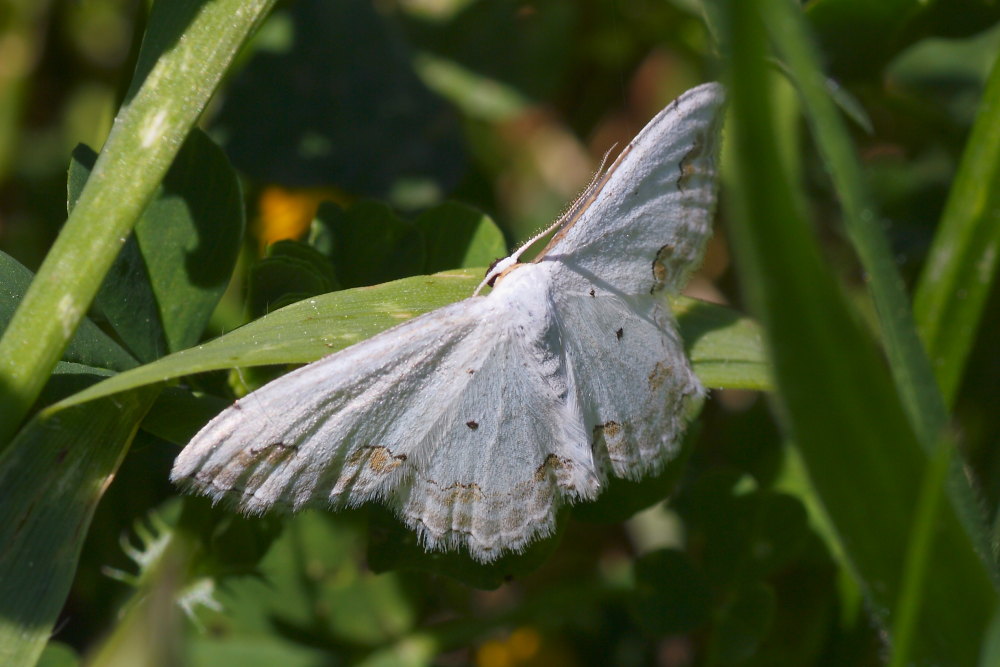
(502, 265)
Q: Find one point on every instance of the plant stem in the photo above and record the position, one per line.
(188, 47)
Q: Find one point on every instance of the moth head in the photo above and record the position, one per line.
(498, 268)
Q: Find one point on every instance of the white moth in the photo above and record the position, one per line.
(475, 422)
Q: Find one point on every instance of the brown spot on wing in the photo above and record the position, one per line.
(612, 435)
(687, 166)
(607, 429)
(551, 462)
(472, 424)
(380, 459)
(658, 375)
(660, 273)
(273, 452)
(458, 492)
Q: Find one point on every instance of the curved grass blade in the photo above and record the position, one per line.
(962, 263)
(53, 474)
(842, 407)
(721, 343)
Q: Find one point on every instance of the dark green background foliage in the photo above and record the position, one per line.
(832, 500)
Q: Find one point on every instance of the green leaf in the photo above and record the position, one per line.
(859, 37)
(990, 654)
(89, 347)
(911, 369)
(744, 624)
(93, 356)
(173, 269)
(69, 378)
(744, 536)
(671, 596)
(311, 329)
(725, 347)
(290, 272)
(163, 102)
(780, 530)
(178, 414)
(838, 400)
(371, 244)
(962, 262)
(907, 359)
(254, 650)
(57, 654)
(459, 236)
(311, 583)
(354, 115)
(493, 40)
(53, 475)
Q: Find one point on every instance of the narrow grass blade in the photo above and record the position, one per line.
(53, 474)
(962, 263)
(724, 347)
(836, 397)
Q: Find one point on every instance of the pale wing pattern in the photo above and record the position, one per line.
(462, 420)
(644, 226)
(506, 453)
(338, 429)
(632, 378)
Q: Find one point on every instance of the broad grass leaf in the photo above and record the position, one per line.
(836, 396)
(459, 236)
(53, 474)
(175, 266)
(311, 329)
(371, 244)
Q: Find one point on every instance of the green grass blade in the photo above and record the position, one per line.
(908, 362)
(89, 346)
(962, 262)
(188, 47)
(724, 347)
(53, 474)
(859, 37)
(837, 399)
(918, 556)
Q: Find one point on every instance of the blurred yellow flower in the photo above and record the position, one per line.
(285, 213)
(519, 648)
